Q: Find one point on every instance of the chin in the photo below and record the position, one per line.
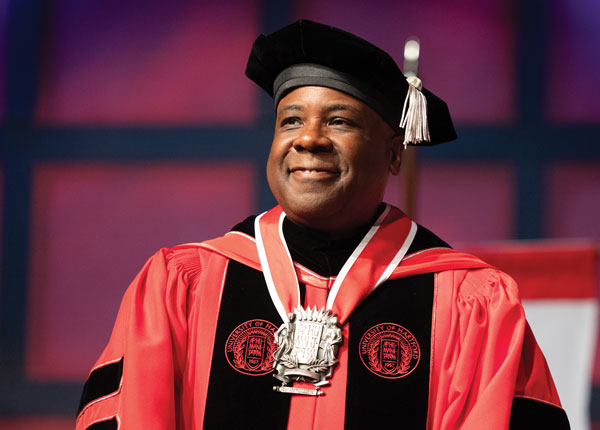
(312, 213)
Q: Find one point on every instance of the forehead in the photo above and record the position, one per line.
(322, 98)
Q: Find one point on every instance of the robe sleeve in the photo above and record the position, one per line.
(134, 383)
(484, 356)
(536, 403)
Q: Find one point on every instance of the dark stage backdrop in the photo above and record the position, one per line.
(130, 126)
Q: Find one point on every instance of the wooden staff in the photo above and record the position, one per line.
(409, 158)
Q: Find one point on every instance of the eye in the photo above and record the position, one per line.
(342, 122)
(290, 120)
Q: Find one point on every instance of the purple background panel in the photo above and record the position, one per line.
(1, 215)
(467, 53)
(37, 423)
(3, 48)
(93, 227)
(464, 201)
(115, 62)
(573, 90)
(395, 192)
(573, 200)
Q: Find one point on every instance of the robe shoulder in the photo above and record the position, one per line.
(485, 358)
(486, 283)
(134, 382)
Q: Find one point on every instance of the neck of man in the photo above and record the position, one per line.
(321, 251)
(337, 232)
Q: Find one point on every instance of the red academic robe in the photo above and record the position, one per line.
(483, 361)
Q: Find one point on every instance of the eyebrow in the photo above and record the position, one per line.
(341, 106)
(328, 108)
(291, 107)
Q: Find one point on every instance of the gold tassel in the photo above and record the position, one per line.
(414, 114)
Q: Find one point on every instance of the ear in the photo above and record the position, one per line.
(396, 154)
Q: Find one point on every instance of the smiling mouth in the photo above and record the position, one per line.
(312, 173)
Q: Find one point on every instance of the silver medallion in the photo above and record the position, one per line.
(307, 347)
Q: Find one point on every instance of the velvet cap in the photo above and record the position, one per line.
(307, 53)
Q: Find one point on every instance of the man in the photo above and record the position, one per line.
(365, 319)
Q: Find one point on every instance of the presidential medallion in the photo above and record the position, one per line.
(307, 347)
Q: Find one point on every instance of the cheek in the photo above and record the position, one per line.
(276, 175)
(275, 157)
(277, 152)
(272, 174)
(272, 171)
(374, 172)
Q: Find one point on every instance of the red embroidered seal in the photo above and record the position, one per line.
(389, 350)
(249, 348)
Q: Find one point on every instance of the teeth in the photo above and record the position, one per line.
(310, 171)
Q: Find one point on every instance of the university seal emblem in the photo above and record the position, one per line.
(249, 348)
(389, 350)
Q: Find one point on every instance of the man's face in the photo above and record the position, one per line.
(330, 159)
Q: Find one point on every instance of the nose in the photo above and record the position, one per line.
(312, 139)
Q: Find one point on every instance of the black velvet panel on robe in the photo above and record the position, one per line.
(109, 424)
(236, 400)
(374, 401)
(530, 414)
(103, 381)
